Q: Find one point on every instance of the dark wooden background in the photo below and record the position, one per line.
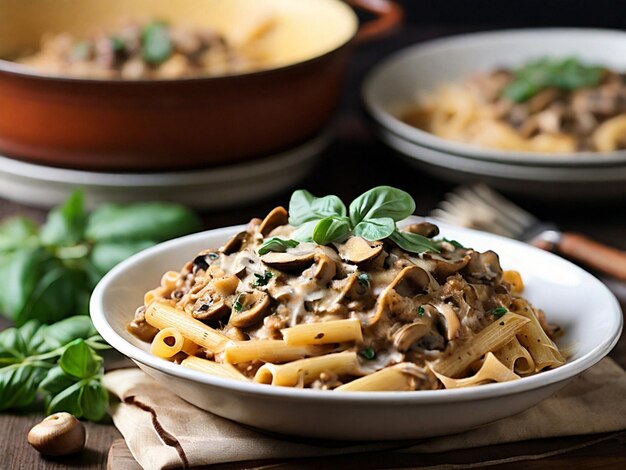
(355, 162)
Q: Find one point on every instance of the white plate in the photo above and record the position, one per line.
(212, 188)
(562, 184)
(572, 298)
(395, 83)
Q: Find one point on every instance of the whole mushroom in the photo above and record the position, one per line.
(58, 434)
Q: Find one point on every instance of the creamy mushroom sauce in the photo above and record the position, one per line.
(412, 308)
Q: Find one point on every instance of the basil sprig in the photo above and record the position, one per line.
(156, 43)
(564, 74)
(48, 274)
(372, 215)
(276, 244)
(58, 363)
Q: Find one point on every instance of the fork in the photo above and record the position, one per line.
(481, 208)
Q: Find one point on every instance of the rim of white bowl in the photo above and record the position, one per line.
(390, 121)
(545, 378)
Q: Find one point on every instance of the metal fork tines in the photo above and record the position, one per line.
(481, 208)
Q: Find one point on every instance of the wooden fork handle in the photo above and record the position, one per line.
(593, 254)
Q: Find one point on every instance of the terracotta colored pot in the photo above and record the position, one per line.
(184, 123)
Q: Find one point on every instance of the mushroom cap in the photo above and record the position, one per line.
(58, 434)
(254, 307)
(277, 217)
(235, 243)
(426, 229)
(358, 250)
(288, 261)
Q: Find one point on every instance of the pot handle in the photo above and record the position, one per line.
(389, 15)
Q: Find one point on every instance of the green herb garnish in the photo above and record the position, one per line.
(420, 311)
(498, 312)
(363, 279)
(368, 353)
(58, 363)
(454, 243)
(156, 43)
(263, 279)
(566, 74)
(372, 215)
(277, 244)
(48, 274)
(117, 43)
(238, 304)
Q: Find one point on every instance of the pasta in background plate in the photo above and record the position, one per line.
(347, 303)
(548, 106)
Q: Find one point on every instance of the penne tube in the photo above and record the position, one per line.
(189, 347)
(516, 357)
(493, 337)
(306, 371)
(270, 350)
(395, 378)
(162, 316)
(335, 331)
(220, 370)
(167, 343)
(152, 295)
(543, 351)
(492, 370)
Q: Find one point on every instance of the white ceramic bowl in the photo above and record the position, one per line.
(396, 82)
(570, 183)
(582, 305)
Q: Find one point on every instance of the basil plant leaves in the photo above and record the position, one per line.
(373, 216)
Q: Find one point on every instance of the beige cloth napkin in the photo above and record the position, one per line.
(163, 431)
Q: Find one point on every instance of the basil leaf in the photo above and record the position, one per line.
(67, 400)
(140, 222)
(56, 381)
(106, 255)
(79, 360)
(54, 296)
(157, 46)
(19, 274)
(330, 229)
(51, 337)
(94, 400)
(304, 207)
(382, 201)
(375, 229)
(304, 233)
(19, 384)
(413, 243)
(276, 244)
(17, 232)
(66, 223)
(13, 348)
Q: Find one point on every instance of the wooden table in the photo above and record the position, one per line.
(352, 164)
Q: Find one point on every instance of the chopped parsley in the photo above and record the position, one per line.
(420, 311)
(498, 312)
(238, 305)
(364, 279)
(263, 279)
(368, 353)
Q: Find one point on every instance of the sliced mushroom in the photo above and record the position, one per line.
(352, 288)
(235, 243)
(253, 225)
(226, 285)
(408, 334)
(442, 268)
(325, 268)
(277, 217)
(204, 260)
(426, 229)
(249, 308)
(210, 311)
(452, 323)
(358, 250)
(409, 282)
(288, 261)
(484, 266)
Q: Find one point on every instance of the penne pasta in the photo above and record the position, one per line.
(272, 350)
(336, 331)
(543, 351)
(167, 343)
(516, 357)
(308, 370)
(226, 371)
(492, 337)
(395, 378)
(161, 316)
(492, 370)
